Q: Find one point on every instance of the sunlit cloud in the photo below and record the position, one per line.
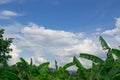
(43, 44)
(115, 32)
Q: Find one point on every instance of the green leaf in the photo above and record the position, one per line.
(93, 73)
(68, 65)
(56, 66)
(77, 63)
(111, 73)
(31, 62)
(116, 52)
(81, 70)
(11, 75)
(94, 67)
(103, 43)
(107, 65)
(92, 58)
(110, 60)
(43, 65)
(116, 77)
(23, 61)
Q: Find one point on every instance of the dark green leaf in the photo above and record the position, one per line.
(111, 73)
(68, 65)
(116, 52)
(91, 57)
(11, 75)
(103, 43)
(43, 65)
(56, 66)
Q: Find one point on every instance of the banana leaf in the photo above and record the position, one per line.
(11, 76)
(68, 65)
(116, 52)
(43, 65)
(111, 73)
(81, 70)
(104, 43)
(92, 58)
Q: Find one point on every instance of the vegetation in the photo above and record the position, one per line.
(108, 69)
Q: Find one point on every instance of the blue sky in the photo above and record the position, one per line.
(46, 30)
(70, 15)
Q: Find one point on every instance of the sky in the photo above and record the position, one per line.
(49, 30)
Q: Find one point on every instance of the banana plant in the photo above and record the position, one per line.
(60, 72)
(104, 44)
(26, 70)
(104, 69)
(97, 62)
(11, 76)
(22, 66)
(44, 67)
(81, 70)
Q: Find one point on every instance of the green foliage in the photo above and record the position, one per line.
(4, 54)
(116, 52)
(4, 48)
(81, 70)
(105, 70)
(116, 77)
(44, 66)
(11, 76)
(103, 43)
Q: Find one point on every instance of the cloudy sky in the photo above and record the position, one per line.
(49, 30)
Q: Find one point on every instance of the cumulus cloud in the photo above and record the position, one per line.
(7, 14)
(50, 45)
(115, 33)
(41, 44)
(117, 38)
(111, 32)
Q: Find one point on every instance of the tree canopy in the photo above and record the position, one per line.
(4, 47)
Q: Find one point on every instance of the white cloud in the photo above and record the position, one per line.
(43, 44)
(117, 38)
(7, 14)
(15, 54)
(48, 44)
(118, 23)
(98, 29)
(111, 32)
(114, 33)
